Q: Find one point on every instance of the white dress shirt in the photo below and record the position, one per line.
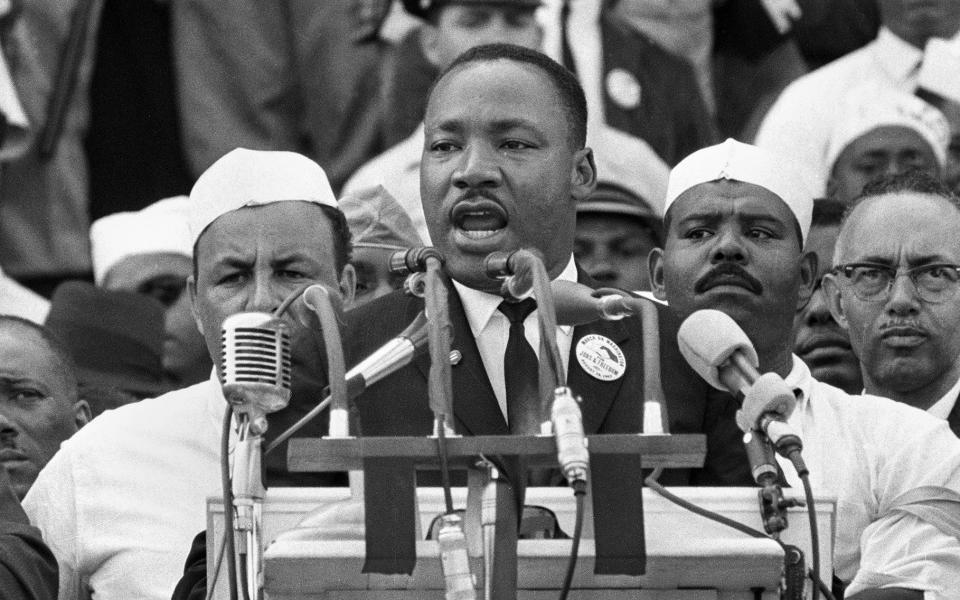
(799, 124)
(122, 500)
(896, 473)
(491, 329)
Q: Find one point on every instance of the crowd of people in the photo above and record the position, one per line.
(303, 142)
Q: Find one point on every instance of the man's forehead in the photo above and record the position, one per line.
(730, 197)
(503, 72)
(908, 222)
(284, 229)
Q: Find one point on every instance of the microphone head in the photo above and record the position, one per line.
(707, 338)
(255, 363)
(577, 304)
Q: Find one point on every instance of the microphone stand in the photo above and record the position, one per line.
(248, 492)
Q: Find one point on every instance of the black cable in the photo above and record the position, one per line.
(652, 483)
(228, 500)
(579, 491)
(243, 576)
(814, 572)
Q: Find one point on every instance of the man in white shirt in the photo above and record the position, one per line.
(119, 505)
(895, 286)
(800, 123)
(736, 221)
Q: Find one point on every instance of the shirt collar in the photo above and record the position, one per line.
(896, 56)
(480, 307)
(942, 407)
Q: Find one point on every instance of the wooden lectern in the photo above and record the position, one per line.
(688, 556)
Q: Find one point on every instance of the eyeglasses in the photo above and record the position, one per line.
(934, 283)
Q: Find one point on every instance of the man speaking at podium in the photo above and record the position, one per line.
(735, 221)
(504, 166)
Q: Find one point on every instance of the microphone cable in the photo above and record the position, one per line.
(579, 492)
(814, 573)
(228, 540)
(818, 585)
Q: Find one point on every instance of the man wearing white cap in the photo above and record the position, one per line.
(884, 134)
(736, 221)
(905, 55)
(120, 504)
(150, 252)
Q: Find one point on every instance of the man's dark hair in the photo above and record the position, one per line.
(67, 366)
(914, 180)
(827, 212)
(342, 245)
(570, 91)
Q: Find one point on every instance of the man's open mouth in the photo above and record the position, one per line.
(478, 219)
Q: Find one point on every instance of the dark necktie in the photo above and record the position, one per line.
(521, 371)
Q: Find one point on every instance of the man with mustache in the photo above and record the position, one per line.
(894, 287)
(820, 342)
(120, 502)
(504, 166)
(736, 221)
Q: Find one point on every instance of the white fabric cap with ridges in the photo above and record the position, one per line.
(244, 177)
(867, 110)
(736, 161)
(158, 228)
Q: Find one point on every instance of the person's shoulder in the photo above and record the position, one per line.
(151, 416)
(874, 412)
(841, 73)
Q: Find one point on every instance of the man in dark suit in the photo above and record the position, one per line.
(503, 168)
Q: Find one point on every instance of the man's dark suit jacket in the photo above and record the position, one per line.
(398, 405)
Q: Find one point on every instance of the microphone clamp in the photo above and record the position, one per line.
(414, 260)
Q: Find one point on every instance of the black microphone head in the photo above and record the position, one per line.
(255, 363)
(413, 260)
(707, 338)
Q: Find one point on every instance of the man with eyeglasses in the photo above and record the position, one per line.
(895, 287)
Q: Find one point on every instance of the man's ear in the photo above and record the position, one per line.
(81, 413)
(655, 270)
(429, 41)
(348, 285)
(808, 277)
(583, 177)
(831, 290)
(192, 288)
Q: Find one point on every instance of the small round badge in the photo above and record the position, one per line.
(600, 357)
(623, 88)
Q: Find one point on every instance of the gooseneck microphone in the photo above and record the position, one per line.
(722, 354)
(255, 366)
(578, 304)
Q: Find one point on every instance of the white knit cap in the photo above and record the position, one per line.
(736, 161)
(244, 177)
(862, 114)
(160, 227)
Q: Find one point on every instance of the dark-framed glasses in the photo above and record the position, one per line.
(933, 283)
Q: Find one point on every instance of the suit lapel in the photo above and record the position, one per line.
(597, 395)
(475, 406)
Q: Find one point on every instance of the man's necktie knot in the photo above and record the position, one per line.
(517, 312)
